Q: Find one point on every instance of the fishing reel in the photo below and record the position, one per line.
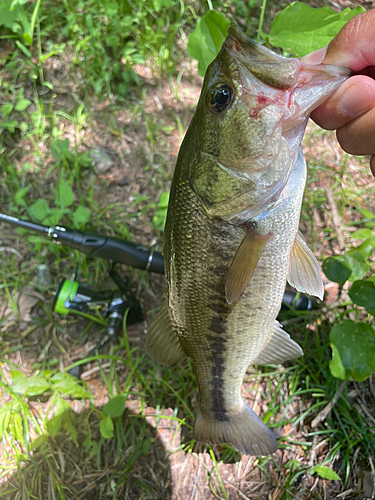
(105, 307)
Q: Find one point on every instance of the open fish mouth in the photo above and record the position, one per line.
(276, 79)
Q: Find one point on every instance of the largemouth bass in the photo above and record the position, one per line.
(231, 239)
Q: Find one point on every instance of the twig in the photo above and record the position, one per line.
(372, 387)
(335, 218)
(239, 492)
(11, 250)
(372, 476)
(305, 481)
(362, 410)
(323, 414)
(94, 370)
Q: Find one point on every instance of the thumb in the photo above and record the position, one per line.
(354, 45)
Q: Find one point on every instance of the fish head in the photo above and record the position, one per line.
(253, 110)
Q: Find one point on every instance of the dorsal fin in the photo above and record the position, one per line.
(162, 343)
(304, 270)
(244, 263)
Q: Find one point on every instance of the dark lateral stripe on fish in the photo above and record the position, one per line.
(218, 347)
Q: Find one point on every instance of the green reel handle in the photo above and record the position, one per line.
(106, 307)
(72, 297)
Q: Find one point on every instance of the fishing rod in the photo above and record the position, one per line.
(96, 245)
(108, 307)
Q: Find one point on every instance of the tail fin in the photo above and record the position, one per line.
(243, 430)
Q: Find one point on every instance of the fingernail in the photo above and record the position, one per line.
(357, 99)
(315, 57)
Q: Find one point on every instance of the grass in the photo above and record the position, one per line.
(63, 439)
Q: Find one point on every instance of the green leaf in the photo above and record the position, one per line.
(18, 377)
(38, 442)
(163, 200)
(60, 150)
(362, 293)
(146, 446)
(7, 16)
(48, 85)
(159, 4)
(292, 464)
(357, 263)
(35, 240)
(32, 386)
(5, 413)
(112, 41)
(22, 104)
(301, 29)
(207, 38)
(69, 386)
(366, 213)
(84, 160)
(27, 38)
(10, 126)
(106, 427)
(6, 109)
(7, 423)
(62, 406)
(65, 195)
(27, 167)
(111, 9)
(353, 351)
(80, 216)
(40, 209)
(70, 425)
(115, 406)
(56, 214)
(336, 269)
(18, 2)
(366, 248)
(361, 234)
(326, 473)
(15, 427)
(21, 193)
(24, 49)
(54, 425)
(160, 216)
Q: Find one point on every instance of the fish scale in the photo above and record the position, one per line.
(231, 238)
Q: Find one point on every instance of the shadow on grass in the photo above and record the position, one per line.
(78, 463)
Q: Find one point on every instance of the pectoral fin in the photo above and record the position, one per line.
(278, 348)
(244, 263)
(303, 273)
(162, 343)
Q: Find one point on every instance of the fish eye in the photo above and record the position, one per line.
(220, 98)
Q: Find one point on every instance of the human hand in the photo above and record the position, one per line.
(351, 110)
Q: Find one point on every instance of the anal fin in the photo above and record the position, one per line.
(244, 263)
(303, 273)
(278, 348)
(162, 343)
